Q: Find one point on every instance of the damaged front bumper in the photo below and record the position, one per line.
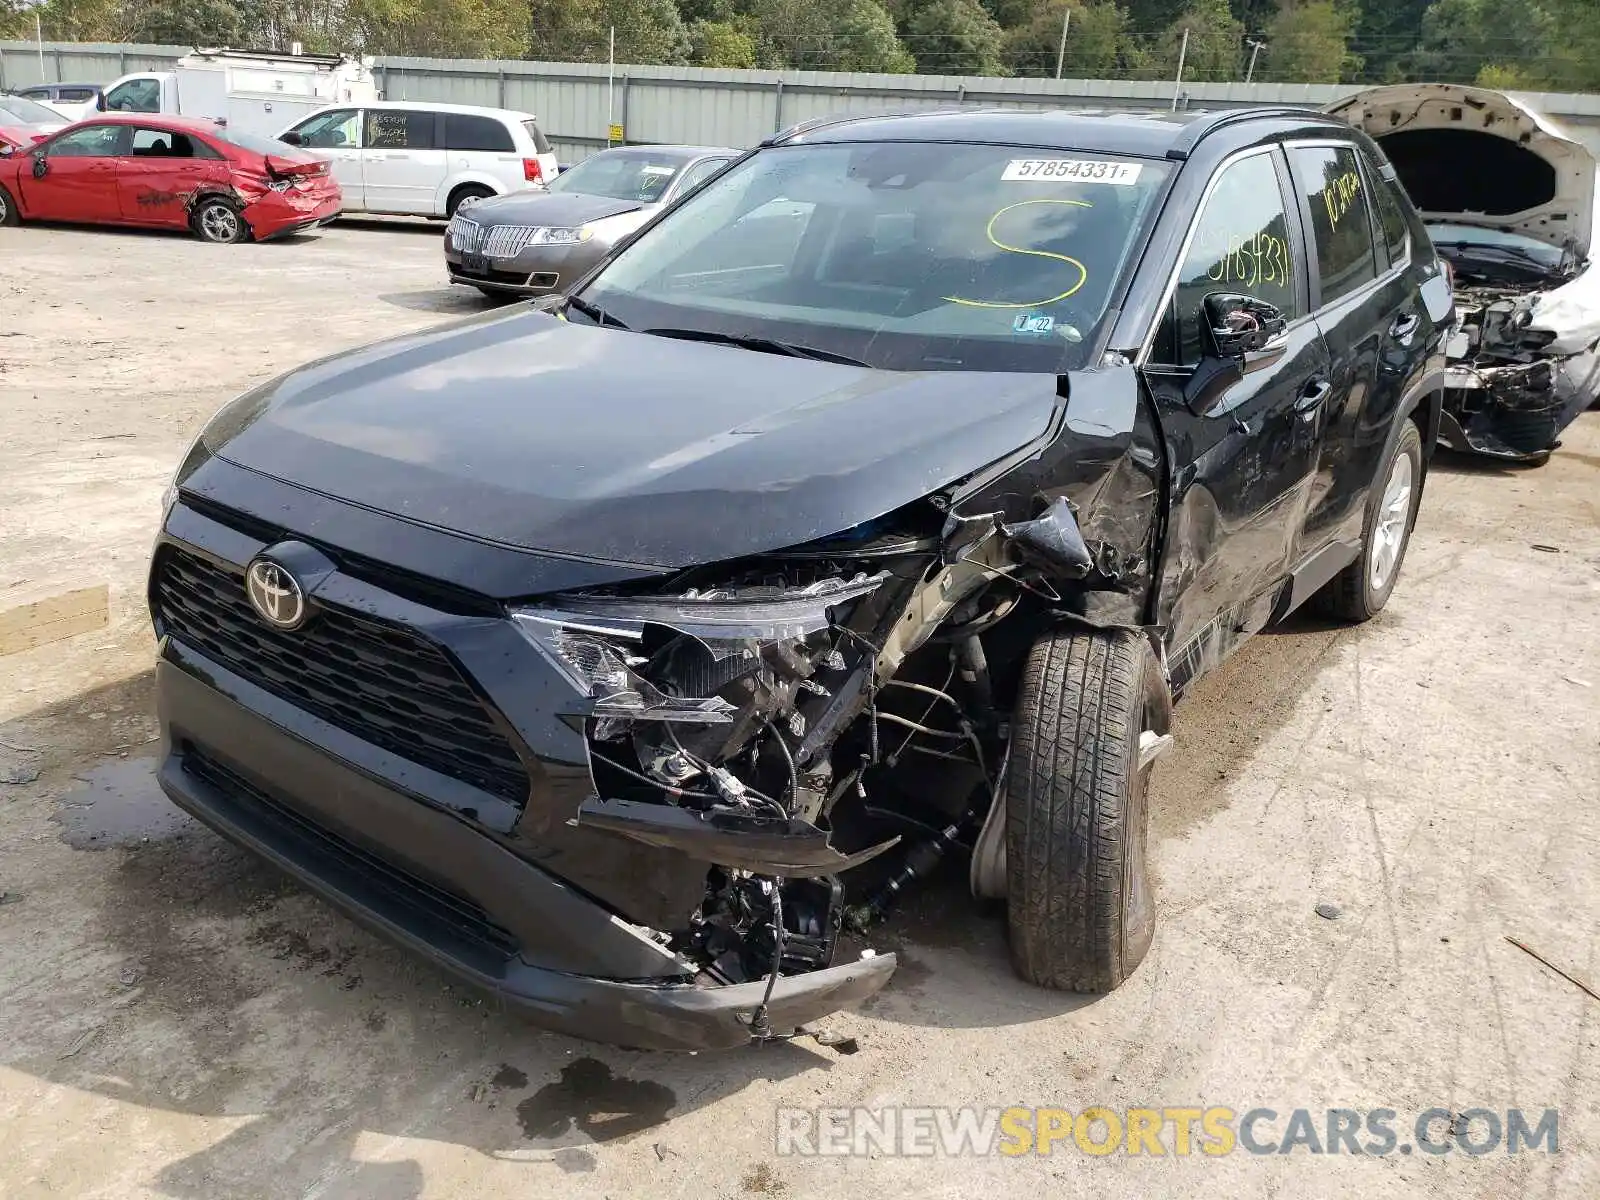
(1516, 411)
(408, 763)
(232, 761)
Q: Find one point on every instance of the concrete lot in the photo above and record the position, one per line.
(176, 1020)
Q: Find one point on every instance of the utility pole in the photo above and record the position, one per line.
(611, 83)
(1183, 53)
(1255, 49)
(38, 34)
(1061, 50)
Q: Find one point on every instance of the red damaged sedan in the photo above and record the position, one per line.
(168, 172)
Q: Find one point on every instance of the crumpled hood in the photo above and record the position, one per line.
(524, 430)
(1494, 161)
(559, 209)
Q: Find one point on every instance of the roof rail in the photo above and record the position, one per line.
(1190, 136)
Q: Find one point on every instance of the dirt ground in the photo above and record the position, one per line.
(176, 1020)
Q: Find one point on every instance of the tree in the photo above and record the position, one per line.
(722, 44)
(1308, 41)
(647, 31)
(1462, 37)
(438, 28)
(954, 37)
(830, 35)
(1387, 31)
(1097, 40)
(1215, 39)
(189, 23)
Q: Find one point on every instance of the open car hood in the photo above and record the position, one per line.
(1478, 157)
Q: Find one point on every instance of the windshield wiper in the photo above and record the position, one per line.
(761, 344)
(594, 312)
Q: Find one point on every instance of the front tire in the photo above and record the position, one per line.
(8, 209)
(217, 220)
(465, 196)
(1079, 906)
(1359, 592)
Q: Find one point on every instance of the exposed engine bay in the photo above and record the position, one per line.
(821, 724)
(1510, 202)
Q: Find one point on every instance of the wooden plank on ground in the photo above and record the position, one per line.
(34, 619)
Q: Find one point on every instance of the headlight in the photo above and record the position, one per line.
(192, 458)
(622, 653)
(546, 235)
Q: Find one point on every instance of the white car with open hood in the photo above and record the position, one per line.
(1509, 200)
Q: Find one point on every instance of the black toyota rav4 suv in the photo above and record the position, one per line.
(629, 654)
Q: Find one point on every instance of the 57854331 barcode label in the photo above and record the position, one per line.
(1072, 170)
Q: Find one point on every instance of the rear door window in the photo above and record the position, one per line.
(463, 131)
(75, 95)
(1335, 198)
(399, 129)
(1241, 245)
(165, 143)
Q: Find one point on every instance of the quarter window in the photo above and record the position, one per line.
(94, 141)
(1241, 246)
(1391, 219)
(1336, 195)
(465, 132)
(399, 129)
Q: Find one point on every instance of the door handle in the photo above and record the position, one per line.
(1405, 328)
(1312, 396)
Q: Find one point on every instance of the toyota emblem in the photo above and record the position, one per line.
(275, 594)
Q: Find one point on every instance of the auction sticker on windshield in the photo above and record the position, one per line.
(1072, 170)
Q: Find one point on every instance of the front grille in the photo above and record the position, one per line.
(464, 234)
(507, 241)
(464, 917)
(378, 681)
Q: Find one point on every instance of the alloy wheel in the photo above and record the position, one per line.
(1389, 530)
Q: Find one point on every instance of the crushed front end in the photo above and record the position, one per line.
(1520, 368)
(660, 811)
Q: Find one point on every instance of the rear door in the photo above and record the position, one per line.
(1370, 315)
(402, 166)
(160, 172)
(336, 136)
(74, 177)
(483, 146)
(1243, 456)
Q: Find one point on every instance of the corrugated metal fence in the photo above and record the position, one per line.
(576, 102)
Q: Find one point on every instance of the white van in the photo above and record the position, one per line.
(426, 160)
(248, 92)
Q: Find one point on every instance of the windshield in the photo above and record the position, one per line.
(621, 175)
(1444, 233)
(29, 113)
(904, 256)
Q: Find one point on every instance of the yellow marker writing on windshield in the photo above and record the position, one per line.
(1083, 272)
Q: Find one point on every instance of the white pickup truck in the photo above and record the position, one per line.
(250, 92)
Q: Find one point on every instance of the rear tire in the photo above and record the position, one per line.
(217, 220)
(466, 194)
(8, 209)
(1079, 906)
(1359, 592)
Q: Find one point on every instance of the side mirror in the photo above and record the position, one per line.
(7, 149)
(40, 166)
(100, 102)
(1242, 325)
(291, 139)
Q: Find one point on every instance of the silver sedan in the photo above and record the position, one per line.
(533, 243)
